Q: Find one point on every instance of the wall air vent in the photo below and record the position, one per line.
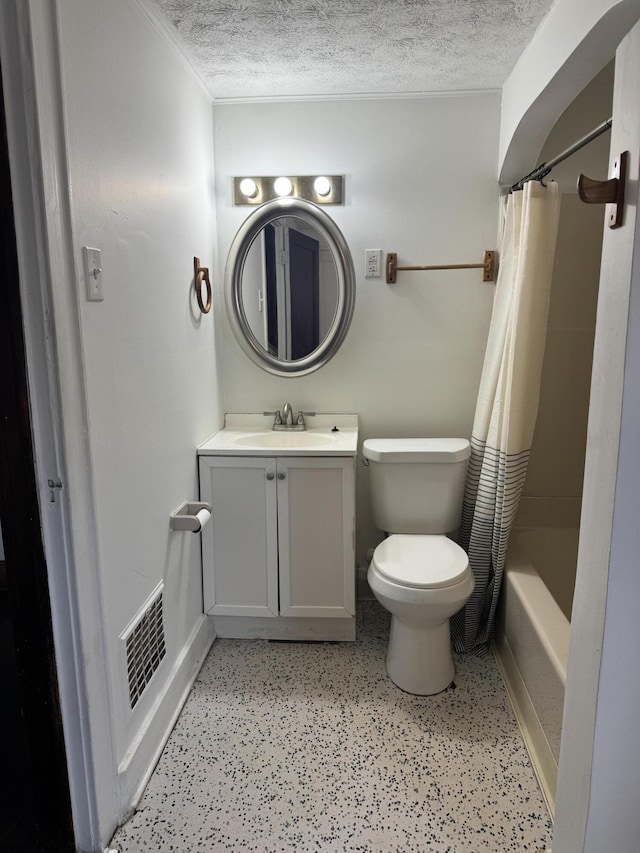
(145, 646)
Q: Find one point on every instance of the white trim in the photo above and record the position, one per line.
(142, 756)
(363, 96)
(298, 628)
(603, 505)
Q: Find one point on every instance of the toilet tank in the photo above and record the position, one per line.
(417, 484)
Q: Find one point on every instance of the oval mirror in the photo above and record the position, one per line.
(289, 287)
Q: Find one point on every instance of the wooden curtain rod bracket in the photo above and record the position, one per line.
(607, 192)
(488, 267)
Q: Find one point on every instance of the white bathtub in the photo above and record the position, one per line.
(532, 639)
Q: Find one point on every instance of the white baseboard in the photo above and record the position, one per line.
(300, 628)
(141, 758)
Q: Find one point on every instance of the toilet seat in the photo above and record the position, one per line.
(421, 562)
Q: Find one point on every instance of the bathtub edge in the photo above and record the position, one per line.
(542, 758)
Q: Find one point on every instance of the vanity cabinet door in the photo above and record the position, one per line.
(316, 527)
(239, 545)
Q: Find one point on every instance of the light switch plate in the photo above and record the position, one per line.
(93, 273)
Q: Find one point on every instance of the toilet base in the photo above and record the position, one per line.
(419, 659)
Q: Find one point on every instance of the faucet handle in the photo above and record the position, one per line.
(301, 416)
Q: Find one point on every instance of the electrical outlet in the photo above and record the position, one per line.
(372, 263)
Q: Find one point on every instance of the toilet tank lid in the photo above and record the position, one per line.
(416, 449)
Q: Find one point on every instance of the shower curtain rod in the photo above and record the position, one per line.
(544, 168)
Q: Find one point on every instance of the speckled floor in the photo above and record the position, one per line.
(310, 747)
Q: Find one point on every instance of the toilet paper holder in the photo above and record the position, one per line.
(191, 516)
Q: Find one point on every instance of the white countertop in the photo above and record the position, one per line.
(252, 434)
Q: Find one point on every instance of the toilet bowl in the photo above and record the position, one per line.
(422, 581)
(417, 573)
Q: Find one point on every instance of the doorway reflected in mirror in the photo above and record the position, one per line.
(290, 288)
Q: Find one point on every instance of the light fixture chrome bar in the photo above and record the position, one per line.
(544, 168)
(302, 186)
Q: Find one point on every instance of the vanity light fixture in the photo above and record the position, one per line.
(320, 189)
(282, 187)
(248, 187)
(322, 185)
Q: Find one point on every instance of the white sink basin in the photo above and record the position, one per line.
(287, 439)
(252, 435)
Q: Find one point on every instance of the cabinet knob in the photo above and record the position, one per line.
(270, 476)
(281, 476)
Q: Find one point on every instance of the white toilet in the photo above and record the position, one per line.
(418, 574)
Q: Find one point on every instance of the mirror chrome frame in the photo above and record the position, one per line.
(240, 246)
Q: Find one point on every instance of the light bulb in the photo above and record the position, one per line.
(248, 187)
(322, 185)
(282, 186)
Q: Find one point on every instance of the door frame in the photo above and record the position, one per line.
(599, 748)
(34, 105)
(296, 240)
(29, 605)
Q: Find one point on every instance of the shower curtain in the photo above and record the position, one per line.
(507, 403)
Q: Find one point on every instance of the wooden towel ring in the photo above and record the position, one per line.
(200, 275)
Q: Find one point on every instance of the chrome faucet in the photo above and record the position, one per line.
(285, 419)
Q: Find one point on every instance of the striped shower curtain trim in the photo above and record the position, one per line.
(492, 493)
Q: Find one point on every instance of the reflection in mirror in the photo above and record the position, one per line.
(290, 287)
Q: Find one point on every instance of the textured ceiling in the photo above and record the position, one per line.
(279, 48)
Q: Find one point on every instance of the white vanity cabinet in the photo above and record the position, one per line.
(279, 552)
(240, 545)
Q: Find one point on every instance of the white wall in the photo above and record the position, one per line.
(553, 489)
(139, 143)
(420, 181)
